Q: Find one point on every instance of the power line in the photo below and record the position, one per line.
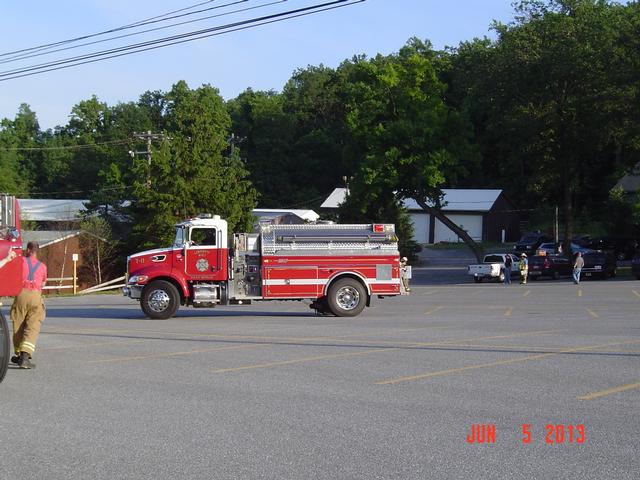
(306, 202)
(174, 11)
(66, 147)
(49, 51)
(8, 73)
(112, 30)
(174, 40)
(73, 192)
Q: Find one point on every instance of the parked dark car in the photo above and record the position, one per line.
(551, 249)
(635, 265)
(552, 266)
(530, 242)
(582, 240)
(599, 264)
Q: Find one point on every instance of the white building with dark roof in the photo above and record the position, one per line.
(483, 213)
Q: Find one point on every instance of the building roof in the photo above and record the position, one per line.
(50, 210)
(44, 238)
(455, 199)
(268, 213)
(631, 183)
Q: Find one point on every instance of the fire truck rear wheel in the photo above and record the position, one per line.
(347, 297)
(160, 300)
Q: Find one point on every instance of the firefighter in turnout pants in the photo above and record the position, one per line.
(28, 312)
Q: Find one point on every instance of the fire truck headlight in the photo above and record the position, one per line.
(139, 279)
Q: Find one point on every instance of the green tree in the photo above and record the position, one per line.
(265, 136)
(410, 143)
(192, 171)
(294, 142)
(16, 161)
(554, 101)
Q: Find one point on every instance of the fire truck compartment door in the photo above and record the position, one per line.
(291, 282)
(11, 273)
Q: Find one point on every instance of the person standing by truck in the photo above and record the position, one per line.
(27, 311)
(523, 266)
(578, 265)
(507, 269)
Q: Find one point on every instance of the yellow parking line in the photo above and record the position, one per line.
(300, 360)
(517, 347)
(439, 373)
(592, 313)
(579, 292)
(636, 293)
(535, 347)
(433, 310)
(173, 354)
(526, 294)
(507, 312)
(478, 307)
(459, 370)
(610, 391)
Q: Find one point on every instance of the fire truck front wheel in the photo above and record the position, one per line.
(160, 300)
(347, 297)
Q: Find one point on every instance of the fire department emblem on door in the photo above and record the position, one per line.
(202, 265)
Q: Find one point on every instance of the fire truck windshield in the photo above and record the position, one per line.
(179, 240)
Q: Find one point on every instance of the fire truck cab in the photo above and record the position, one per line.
(11, 273)
(338, 267)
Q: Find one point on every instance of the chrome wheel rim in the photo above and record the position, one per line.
(159, 301)
(348, 298)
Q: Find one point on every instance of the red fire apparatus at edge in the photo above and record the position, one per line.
(339, 267)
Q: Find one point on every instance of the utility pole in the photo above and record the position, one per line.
(149, 137)
(233, 140)
(555, 227)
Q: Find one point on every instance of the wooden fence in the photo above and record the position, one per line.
(110, 285)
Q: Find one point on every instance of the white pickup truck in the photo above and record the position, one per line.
(492, 267)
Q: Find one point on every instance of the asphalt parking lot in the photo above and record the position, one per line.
(272, 391)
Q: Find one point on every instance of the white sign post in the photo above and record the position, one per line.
(74, 257)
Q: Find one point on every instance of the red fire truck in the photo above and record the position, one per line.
(339, 267)
(11, 273)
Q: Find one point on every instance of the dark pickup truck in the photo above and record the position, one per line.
(635, 265)
(599, 264)
(552, 266)
(596, 264)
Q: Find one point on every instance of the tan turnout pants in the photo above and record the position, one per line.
(27, 314)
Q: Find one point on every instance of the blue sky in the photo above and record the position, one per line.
(262, 58)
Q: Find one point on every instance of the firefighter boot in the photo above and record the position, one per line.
(25, 362)
(16, 359)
